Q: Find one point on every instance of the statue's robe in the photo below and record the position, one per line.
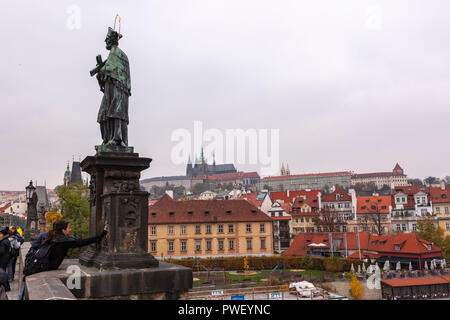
(113, 113)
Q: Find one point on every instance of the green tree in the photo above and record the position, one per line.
(178, 192)
(326, 189)
(198, 188)
(427, 230)
(431, 180)
(385, 187)
(415, 182)
(74, 206)
(307, 262)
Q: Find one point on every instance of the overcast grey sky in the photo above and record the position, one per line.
(352, 85)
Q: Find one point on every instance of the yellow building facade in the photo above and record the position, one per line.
(208, 228)
(440, 198)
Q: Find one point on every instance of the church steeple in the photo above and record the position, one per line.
(202, 157)
(288, 172)
(283, 171)
(67, 175)
(189, 167)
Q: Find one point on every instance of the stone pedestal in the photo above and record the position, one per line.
(117, 201)
(166, 282)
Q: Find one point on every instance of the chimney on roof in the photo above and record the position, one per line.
(442, 183)
(287, 193)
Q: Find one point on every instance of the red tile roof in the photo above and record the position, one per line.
(5, 207)
(251, 197)
(286, 207)
(364, 204)
(410, 244)
(332, 196)
(282, 195)
(422, 281)
(376, 174)
(364, 255)
(167, 210)
(229, 176)
(302, 240)
(251, 175)
(281, 218)
(309, 175)
(440, 196)
(311, 199)
(412, 190)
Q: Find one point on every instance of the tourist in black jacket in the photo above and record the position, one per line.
(5, 248)
(62, 242)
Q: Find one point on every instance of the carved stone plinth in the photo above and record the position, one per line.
(117, 201)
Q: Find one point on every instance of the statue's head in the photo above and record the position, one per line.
(112, 38)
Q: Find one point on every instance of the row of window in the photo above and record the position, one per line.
(342, 229)
(403, 227)
(208, 229)
(446, 210)
(419, 200)
(198, 245)
(307, 219)
(339, 205)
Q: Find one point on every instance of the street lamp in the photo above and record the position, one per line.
(30, 189)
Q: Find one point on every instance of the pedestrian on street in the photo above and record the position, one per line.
(5, 254)
(16, 240)
(5, 248)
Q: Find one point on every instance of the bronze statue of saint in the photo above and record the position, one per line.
(113, 76)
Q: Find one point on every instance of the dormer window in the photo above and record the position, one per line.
(171, 213)
(253, 211)
(228, 211)
(397, 247)
(190, 212)
(153, 214)
(429, 247)
(206, 213)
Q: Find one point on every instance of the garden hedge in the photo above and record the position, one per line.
(266, 263)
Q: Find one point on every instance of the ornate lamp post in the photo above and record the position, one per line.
(32, 225)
